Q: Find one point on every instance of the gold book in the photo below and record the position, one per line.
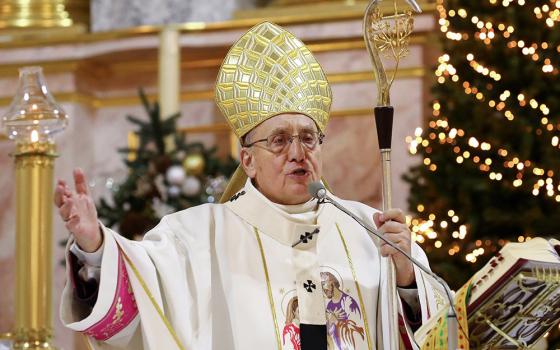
(514, 299)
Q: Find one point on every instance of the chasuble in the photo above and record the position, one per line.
(247, 274)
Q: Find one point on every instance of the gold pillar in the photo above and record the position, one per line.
(15, 14)
(34, 193)
(32, 120)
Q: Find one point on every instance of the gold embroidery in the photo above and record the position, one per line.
(87, 341)
(153, 301)
(366, 325)
(270, 299)
(119, 313)
(440, 301)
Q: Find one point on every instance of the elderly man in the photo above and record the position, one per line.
(220, 276)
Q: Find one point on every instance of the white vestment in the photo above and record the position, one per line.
(224, 276)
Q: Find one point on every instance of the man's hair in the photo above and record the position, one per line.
(246, 139)
(329, 276)
(291, 310)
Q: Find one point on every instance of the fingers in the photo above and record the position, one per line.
(377, 219)
(65, 211)
(387, 250)
(388, 215)
(80, 181)
(392, 225)
(59, 191)
(399, 239)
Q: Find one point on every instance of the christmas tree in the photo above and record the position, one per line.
(490, 154)
(163, 176)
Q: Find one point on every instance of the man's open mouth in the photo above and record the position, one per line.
(299, 172)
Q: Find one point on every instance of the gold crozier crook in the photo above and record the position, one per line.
(387, 35)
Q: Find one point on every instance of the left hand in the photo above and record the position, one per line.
(392, 224)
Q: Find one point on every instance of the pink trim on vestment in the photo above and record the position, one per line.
(122, 311)
(404, 333)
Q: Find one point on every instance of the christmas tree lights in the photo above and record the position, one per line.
(490, 157)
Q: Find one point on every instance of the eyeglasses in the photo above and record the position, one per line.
(278, 143)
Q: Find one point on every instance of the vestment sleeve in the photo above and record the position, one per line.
(101, 308)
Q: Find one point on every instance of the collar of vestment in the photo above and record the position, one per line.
(298, 227)
(289, 225)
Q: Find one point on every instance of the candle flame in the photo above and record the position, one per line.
(34, 136)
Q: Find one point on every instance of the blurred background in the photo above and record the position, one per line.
(476, 132)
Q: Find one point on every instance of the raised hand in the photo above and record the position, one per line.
(392, 224)
(77, 210)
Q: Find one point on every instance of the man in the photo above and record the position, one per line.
(216, 276)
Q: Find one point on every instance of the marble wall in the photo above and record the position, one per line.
(109, 14)
(98, 83)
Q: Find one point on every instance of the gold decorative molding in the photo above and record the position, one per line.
(349, 9)
(186, 96)
(299, 2)
(147, 61)
(213, 58)
(50, 67)
(356, 44)
(332, 12)
(25, 14)
(223, 127)
(350, 113)
(35, 148)
(350, 77)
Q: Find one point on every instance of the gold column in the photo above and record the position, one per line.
(43, 13)
(34, 193)
(31, 121)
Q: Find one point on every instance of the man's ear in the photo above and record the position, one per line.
(247, 159)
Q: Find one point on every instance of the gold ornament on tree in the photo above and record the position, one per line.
(194, 164)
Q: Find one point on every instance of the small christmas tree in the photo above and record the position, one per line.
(163, 178)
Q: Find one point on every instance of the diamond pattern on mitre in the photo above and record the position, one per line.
(269, 72)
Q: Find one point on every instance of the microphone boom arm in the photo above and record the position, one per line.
(319, 192)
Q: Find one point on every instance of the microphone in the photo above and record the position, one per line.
(318, 191)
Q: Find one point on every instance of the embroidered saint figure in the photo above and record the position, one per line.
(343, 315)
(290, 334)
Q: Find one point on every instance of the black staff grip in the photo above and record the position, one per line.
(384, 124)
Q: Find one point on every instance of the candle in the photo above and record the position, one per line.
(169, 78)
(169, 72)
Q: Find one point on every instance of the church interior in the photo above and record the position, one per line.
(133, 77)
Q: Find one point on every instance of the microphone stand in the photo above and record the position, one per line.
(323, 197)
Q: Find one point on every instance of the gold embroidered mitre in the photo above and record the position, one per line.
(267, 72)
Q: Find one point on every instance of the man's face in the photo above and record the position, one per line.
(328, 288)
(283, 177)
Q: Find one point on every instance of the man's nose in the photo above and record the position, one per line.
(295, 150)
